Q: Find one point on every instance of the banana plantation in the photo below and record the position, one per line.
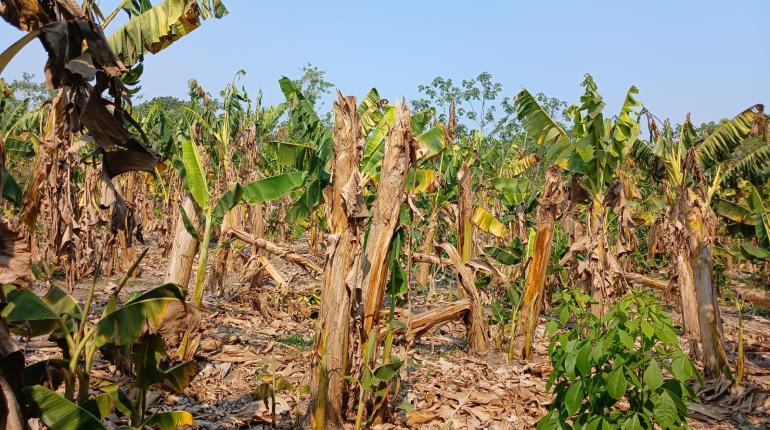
(216, 262)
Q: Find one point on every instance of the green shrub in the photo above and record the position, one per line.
(625, 370)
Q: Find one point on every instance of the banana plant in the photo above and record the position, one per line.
(692, 167)
(18, 139)
(256, 192)
(594, 154)
(126, 329)
(756, 215)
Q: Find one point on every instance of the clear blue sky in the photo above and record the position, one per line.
(708, 57)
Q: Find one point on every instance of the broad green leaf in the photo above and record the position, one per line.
(502, 256)
(430, 143)
(536, 120)
(647, 329)
(99, 406)
(754, 167)
(227, 202)
(666, 335)
(125, 325)
(583, 361)
(754, 252)
(119, 400)
(722, 142)
(58, 413)
(549, 422)
(188, 225)
(681, 367)
(574, 397)
(259, 191)
(626, 339)
(617, 384)
(374, 150)
(11, 190)
(273, 187)
(664, 410)
(369, 110)
(653, 377)
(386, 372)
(147, 357)
(515, 191)
(287, 153)
(26, 307)
(196, 176)
(733, 211)
(397, 284)
(18, 146)
(632, 423)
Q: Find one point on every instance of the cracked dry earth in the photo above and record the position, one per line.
(250, 335)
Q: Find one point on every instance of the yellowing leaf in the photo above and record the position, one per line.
(484, 220)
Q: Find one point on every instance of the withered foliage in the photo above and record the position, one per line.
(89, 107)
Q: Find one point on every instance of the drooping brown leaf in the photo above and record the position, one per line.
(14, 257)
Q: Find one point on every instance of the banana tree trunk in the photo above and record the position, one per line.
(534, 290)
(465, 212)
(385, 212)
(345, 213)
(423, 276)
(537, 269)
(475, 323)
(11, 364)
(700, 308)
(10, 413)
(184, 246)
(714, 355)
(689, 299)
(598, 276)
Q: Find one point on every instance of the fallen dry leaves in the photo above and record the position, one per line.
(251, 335)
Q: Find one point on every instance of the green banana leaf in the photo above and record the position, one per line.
(147, 357)
(127, 324)
(754, 253)
(58, 413)
(733, 211)
(194, 173)
(720, 144)
(287, 153)
(430, 143)
(110, 400)
(370, 110)
(502, 256)
(259, 191)
(11, 190)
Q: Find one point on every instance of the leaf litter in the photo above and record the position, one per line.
(254, 339)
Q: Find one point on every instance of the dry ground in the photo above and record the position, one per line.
(253, 333)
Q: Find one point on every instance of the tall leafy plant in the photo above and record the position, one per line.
(622, 370)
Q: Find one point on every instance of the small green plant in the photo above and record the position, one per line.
(297, 341)
(122, 334)
(624, 370)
